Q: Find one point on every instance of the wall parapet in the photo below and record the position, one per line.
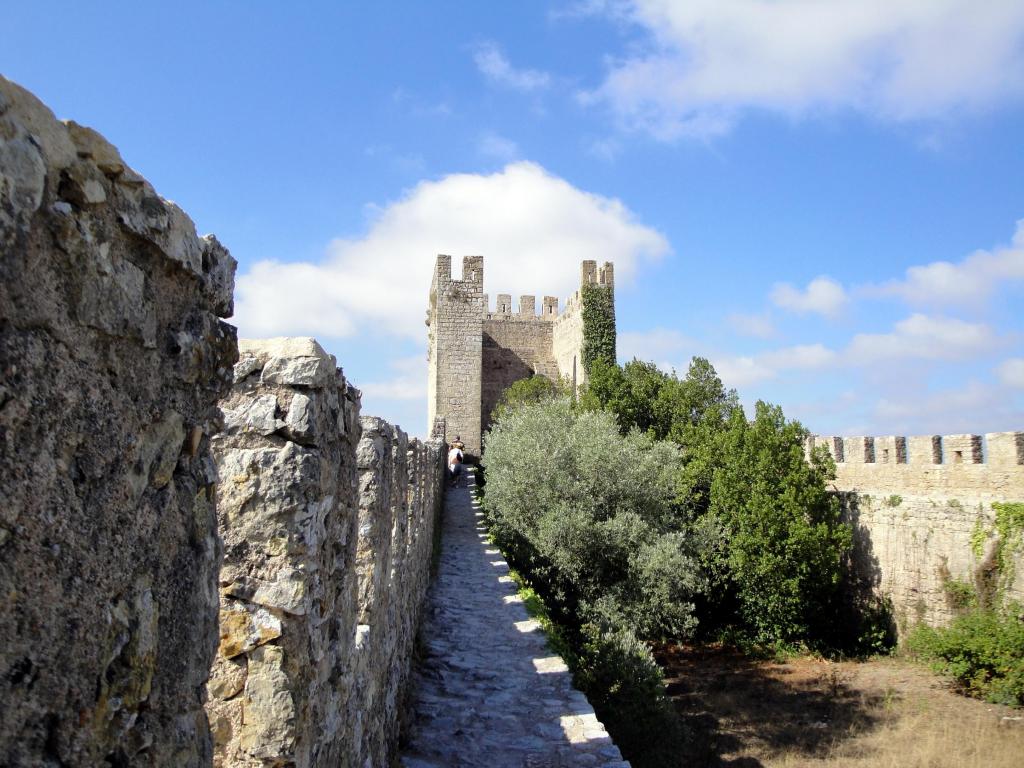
(920, 507)
(988, 464)
(327, 520)
(113, 357)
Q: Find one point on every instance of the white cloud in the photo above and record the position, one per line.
(533, 229)
(823, 296)
(973, 407)
(703, 62)
(802, 356)
(495, 67)
(408, 382)
(744, 370)
(918, 337)
(758, 326)
(606, 149)
(1011, 372)
(498, 147)
(970, 281)
(657, 345)
(925, 338)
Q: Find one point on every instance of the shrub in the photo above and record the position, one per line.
(535, 389)
(626, 688)
(785, 537)
(587, 513)
(983, 651)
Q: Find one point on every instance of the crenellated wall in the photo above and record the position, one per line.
(475, 354)
(921, 506)
(327, 520)
(454, 349)
(112, 360)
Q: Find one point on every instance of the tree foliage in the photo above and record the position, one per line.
(588, 512)
(535, 389)
(773, 541)
(784, 537)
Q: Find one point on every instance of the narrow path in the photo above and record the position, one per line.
(489, 692)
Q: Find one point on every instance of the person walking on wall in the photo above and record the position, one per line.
(455, 461)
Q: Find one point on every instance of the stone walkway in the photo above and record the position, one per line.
(490, 693)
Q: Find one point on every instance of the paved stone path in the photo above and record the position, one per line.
(490, 693)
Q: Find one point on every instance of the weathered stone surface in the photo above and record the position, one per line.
(309, 523)
(488, 690)
(474, 354)
(112, 359)
(917, 505)
(258, 415)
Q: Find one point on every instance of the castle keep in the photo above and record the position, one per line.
(475, 354)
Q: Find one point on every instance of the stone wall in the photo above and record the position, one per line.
(327, 521)
(454, 355)
(113, 359)
(474, 355)
(515, 347)
(920, 507)
(567, 334)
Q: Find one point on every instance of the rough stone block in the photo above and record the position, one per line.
(113, 359)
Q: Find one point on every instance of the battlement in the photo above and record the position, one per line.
(996, 449)
(527, 308)
(929, 465)
(472, 271)
(591, 274)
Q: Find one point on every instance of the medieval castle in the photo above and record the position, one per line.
(475, 354)
(210, 556)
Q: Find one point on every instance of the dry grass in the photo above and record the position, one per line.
(809, 712)
(918, 740)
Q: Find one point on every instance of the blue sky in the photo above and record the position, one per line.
(822, 198)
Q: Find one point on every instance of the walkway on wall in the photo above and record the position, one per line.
(489, 692)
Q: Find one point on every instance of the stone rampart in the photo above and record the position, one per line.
(327, 521)
(922, 513)
(113, 359)
(475, 353)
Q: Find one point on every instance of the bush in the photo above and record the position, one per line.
(983, 651)
(786, 540)
(535, 389)
(587, 513)
(626, 688)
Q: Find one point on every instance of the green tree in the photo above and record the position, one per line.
(532, 390)
(630, 392)
(785, 538)
(588, 511)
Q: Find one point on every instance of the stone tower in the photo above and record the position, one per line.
(476, 353)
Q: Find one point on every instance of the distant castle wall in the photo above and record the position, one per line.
(476, 353)
(454, 351)
(917, 505)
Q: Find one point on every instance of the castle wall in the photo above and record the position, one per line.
(567, 342)
(917, 504)
(327, 521)
(455, 349)
(515, 347)
(113, 359)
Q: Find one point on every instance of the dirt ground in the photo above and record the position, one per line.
(811, 712)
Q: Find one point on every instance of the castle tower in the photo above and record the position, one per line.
(455, 319)
(475, 354)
